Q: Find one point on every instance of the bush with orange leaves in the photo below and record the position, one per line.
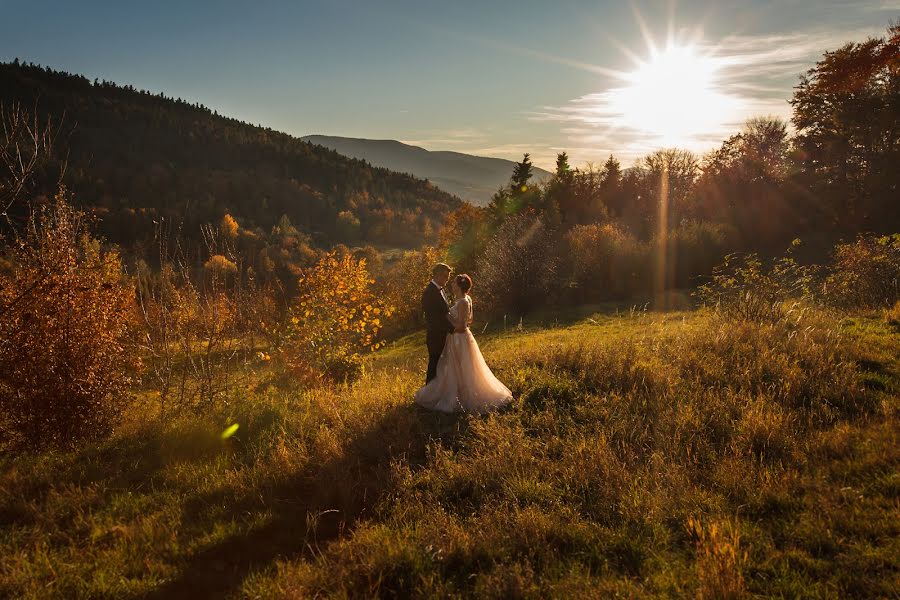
(66, 313)
(335, 318)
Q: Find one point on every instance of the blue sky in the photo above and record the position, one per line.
(490, 77)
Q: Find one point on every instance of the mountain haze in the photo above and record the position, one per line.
(472, 178)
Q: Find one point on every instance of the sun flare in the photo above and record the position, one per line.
(673, 97)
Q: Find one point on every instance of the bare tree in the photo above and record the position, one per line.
(26, 143)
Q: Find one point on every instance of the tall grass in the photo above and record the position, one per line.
(644, 455)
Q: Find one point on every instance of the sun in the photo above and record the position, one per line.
(673, 97)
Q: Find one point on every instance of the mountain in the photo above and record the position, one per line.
(472, 178)
(133, 157)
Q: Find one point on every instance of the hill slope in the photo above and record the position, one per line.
(645, 455)
(472, 178)
(136, 156)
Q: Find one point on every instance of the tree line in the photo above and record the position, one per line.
(593, 234)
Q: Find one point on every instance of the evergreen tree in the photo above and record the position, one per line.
(562, 165)
(612, 172)
(521, 175)
(611, 186)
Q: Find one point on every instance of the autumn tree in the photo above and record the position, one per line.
(745, 183)
(847, 116)
(464, 235)
(402, 286)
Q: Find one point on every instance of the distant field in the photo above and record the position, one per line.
(645, 454)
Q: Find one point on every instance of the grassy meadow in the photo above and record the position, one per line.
(645, 454)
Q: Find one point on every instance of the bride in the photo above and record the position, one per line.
(464, 382)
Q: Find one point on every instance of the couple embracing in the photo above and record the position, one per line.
(458, 380)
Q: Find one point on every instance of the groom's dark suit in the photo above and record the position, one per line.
(437, 326)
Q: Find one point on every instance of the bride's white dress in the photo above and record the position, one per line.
(464, 382)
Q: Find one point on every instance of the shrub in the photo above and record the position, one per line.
(892, 315)
(403, 283)
(693, 249)
(219, 266)
(607, 262)
(742, 288)
(865, 273)
(65, 318)
(517, 269)
(335, 317)
(197, 331)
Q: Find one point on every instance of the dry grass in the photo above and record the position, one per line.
(644, 455)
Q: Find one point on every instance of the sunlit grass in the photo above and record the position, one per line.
(644, 454)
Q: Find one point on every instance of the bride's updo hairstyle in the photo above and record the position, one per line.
(464, 282)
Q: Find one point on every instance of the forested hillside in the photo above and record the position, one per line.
(134, 157)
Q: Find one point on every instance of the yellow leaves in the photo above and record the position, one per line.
(228, 226)
(335, 310)
(219, 265)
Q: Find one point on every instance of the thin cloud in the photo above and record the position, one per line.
(754, 75)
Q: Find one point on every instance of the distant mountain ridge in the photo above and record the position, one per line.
(472, 178)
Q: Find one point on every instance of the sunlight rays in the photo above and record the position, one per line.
(673, 97)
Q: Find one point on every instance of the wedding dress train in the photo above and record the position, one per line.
(464, 382)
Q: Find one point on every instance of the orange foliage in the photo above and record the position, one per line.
(66, 313)
(229, 227)
(219, 265)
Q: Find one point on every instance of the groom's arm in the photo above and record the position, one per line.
(434, 307)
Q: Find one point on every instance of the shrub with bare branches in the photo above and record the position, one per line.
(518, 266)
(201, 327)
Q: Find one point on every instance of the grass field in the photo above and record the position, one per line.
(645, 454)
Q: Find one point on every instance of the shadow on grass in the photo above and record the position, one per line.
(314, 507)
(131, 463)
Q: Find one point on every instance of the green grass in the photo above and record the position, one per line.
(779, 443)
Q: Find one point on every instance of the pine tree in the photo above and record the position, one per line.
(521, 175)
(612, 172)
(562, 165)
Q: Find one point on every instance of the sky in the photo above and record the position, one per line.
(487, 77)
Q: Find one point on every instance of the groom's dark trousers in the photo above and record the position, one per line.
(437, 326)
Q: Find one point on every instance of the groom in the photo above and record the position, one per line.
(437, 325)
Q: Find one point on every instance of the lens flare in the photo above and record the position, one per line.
(229, 431)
